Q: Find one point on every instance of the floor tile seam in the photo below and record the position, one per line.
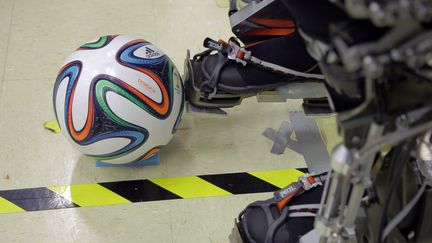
(2, 81)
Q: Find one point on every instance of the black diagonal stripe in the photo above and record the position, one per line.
(35, 199)
(304, 170)
(139, 190)
(240, 183)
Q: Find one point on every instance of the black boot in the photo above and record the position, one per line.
(263, 222)
(235, 81)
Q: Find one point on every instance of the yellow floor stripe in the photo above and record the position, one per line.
(190, 187)
(279, 178)
(89, 195)
(8, 207)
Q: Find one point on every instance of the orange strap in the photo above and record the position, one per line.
(222, 42)
(282, 203)
(278, 23)
(270, 32)
(240, 55)
(311, 180)
(249, 45)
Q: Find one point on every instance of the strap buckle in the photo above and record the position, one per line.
(309, 181)
(237, 53)
(304, 183)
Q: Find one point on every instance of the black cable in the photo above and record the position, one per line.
(415, 74)
(391, 178)
(399, 158)
(380, 103)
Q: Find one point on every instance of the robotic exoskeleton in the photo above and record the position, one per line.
(370, 61)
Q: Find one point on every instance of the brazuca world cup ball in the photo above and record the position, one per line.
(118, 99)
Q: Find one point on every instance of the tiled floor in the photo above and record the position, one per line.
(35, 37)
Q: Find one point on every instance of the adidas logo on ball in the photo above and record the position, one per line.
(150, 53)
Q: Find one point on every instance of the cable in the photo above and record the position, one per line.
(416, 74)
(396, 167)
(393, 138)
(402, 214)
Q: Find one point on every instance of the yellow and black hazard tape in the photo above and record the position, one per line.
(122, 192)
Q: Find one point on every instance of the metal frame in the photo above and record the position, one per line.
(351, 167)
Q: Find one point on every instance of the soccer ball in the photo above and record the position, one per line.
(118, 99)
